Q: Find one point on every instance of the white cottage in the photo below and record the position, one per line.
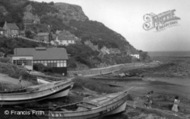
(65, 38)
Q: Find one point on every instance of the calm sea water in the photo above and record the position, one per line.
(170, 54)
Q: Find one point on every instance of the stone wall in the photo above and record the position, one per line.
(110, 69)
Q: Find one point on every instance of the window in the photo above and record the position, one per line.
(45, 63)
(22, 62)
(58, 64)
(64, 63)
(61, 64)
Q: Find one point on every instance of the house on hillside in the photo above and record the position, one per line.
(43, 37)
(65, 38)
(104, 50)
(137, 56)
(54, 58)
(10, 29)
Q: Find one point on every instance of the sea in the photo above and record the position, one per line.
(169, 53)
(166, 56)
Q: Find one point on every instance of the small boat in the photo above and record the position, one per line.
(36, 93)
(93, 109)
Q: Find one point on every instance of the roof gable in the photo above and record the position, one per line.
(12, 26)
(65, 35)
(42, 53)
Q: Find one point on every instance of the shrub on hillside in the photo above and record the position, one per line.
(5, 60)
(7, 45)
(98, 33)
(72, 63)
(43, 8)
(16, 71)
(144, 56)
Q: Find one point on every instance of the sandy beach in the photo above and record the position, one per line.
(164, 80)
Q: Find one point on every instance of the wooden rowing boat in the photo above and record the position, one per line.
(95, 108)
(36, 93)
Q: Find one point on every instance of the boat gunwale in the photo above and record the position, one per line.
(3, 97)
(118, 99)
(34, 90)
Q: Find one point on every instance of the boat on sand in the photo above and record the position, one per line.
(95, 108)
(36, 93)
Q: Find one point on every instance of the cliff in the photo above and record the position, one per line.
(70, 12)
(98, 44)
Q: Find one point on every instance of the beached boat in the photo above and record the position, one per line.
(36, 93)
(95, 108)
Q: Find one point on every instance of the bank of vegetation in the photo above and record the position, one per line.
(14, 71)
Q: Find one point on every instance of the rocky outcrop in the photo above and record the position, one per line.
(70, 12)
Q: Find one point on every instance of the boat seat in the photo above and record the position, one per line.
(88, 106)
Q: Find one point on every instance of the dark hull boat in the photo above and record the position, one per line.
(93, 109)
(36, 93)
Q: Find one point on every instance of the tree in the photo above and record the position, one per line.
(29, 34)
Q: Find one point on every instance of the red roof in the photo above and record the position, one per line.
(42, 53)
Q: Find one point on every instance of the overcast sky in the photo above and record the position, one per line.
(126, 18)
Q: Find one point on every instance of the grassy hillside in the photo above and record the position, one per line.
(7, 45)
(15, 71)
(62, 16)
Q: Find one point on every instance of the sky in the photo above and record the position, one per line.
(126, 18)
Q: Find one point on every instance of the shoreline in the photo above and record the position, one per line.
(165, 89)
